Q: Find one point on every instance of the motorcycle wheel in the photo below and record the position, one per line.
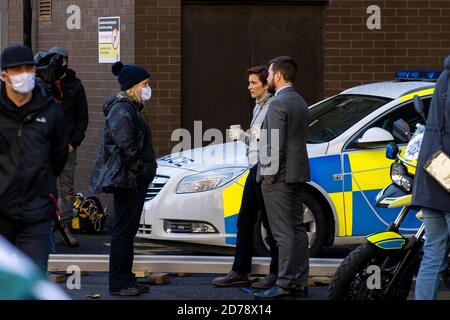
(351, 279)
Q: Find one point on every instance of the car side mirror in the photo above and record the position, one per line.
(375, 137)
(401, 130)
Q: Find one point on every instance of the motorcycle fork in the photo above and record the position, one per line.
(395, 226)
(412, 247)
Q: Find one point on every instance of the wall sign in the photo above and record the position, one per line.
(108, 39)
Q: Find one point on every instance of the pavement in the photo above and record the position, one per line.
(190, 287)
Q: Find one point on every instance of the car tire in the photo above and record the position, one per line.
(316, 226)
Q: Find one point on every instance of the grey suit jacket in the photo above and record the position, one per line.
(284, 157)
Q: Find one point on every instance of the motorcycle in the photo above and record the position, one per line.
(384, 266)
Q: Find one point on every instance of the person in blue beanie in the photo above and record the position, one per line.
(125, 166)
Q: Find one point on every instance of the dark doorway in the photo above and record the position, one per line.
(220, 42)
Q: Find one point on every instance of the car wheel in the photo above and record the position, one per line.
(315, 223)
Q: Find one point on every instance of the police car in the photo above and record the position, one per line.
(197, 201)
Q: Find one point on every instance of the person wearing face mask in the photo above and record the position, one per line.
(69, 91)
(33, 151)
(125, 166)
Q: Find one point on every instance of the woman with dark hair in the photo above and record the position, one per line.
(125, 167)
(252, 199)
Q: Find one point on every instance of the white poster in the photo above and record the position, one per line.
(108, 39)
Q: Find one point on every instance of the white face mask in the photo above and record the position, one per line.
(23, 83)
(146, 93)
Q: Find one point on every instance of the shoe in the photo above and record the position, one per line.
(301, 292)
(268, 282)
(142, 288)
(232, 279)
(130, 292)
(73, 242)
(275, 293)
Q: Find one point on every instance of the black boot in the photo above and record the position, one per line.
(73, 241)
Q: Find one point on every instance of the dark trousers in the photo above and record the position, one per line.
(66, 188)
(252, 203)
(33, 239)
(128, 204)
(284, 203)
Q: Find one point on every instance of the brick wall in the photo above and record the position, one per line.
(158, 46)
(82, 45)
(414, 34)
(15, 27)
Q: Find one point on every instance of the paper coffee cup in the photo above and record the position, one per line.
(235, 132)
(256, 132)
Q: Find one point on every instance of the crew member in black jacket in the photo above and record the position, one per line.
(69, 91)
(125, 166)
(33, 151)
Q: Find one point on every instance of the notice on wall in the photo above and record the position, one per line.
(108, 39)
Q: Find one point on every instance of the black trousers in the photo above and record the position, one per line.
(252, 203)
(33, 239)
(128, 204)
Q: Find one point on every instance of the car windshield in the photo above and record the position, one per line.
(331, 118)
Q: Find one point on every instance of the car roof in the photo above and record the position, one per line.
(390, 89)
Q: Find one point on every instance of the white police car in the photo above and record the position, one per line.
(197, 202)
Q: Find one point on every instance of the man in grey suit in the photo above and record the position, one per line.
(284, 170)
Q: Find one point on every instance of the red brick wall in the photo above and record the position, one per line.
(158, 46)
(414, 34)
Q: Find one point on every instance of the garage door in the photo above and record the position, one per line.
(221, 41)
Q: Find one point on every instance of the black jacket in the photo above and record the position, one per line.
(427, 192)
(125, 154)
(75, 108)
(33, 150)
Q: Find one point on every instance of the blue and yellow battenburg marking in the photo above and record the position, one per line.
(364, 173)
(388, 240)
(232, 198)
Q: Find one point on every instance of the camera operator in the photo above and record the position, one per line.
(69, 91)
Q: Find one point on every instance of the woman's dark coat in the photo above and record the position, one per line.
(125, 154)
(427, 192)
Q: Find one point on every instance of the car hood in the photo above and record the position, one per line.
(232, 154)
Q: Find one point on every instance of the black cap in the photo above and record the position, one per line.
(129, 75)
(16, 55)
(59, 50)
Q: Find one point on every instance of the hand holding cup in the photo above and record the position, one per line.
(256, 132)
(235, 132)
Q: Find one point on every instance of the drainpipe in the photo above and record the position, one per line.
(27, 22)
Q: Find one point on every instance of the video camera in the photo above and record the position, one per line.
(49, 69)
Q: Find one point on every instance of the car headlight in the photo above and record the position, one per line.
(400, 177)
(209, 180)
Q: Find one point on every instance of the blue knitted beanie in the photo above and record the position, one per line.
(129, 75)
